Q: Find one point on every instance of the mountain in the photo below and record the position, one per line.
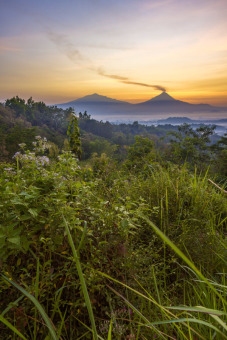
(97, 105)
(97, 98)
(164, 104)
(162, 97)
(92, 99)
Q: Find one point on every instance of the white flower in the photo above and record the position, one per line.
(17, 155)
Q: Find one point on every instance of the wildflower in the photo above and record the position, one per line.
(22, 145)
(17, 155)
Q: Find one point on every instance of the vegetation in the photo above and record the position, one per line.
(129, 243)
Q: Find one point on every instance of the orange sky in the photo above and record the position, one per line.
(57, 51)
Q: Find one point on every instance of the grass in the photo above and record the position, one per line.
(181, 318)
(120, 254)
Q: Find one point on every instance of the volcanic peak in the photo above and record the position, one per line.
(164, 96)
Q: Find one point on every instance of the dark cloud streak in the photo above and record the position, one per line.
(112, 76)
(156, 87)
(65, 46)
(126, 80)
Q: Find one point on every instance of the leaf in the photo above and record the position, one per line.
(14, 240)
(124, 223)
(33, 212)
(26, 195)
(25, 217)
(24, 242)
(2, 242)
(19, 262)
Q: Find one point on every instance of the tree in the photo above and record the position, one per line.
(140, 155)
(84, 115)
(17, 104)
(220, 159)
(73, 134)
(191, 145)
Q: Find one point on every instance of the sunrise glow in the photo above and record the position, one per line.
(57, 51)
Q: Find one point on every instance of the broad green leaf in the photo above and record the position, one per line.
(33, 212)
(14, 240)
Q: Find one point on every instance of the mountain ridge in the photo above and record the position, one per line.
(95, 98)
(163, 103)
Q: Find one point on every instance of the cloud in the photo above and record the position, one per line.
(9, 49)
(126, 80)
(65, 46)
(156, 87)
(112, 76)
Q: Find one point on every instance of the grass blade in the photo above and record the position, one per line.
(37, 305)
(199, 309)
(188, 320)
(10, 326)
(110, 330)
(182, 256)
(11, 305)
(82, 280)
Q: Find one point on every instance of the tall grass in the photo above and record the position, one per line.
(82, 280)
(206, 320)
(145, 260)
(209, 295)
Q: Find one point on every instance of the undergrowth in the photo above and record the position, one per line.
(109, 250)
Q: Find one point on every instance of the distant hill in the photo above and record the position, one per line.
(182, 120)
(176, 120)
(96, 98)
(97, 104)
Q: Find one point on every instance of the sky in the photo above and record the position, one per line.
(60, 50)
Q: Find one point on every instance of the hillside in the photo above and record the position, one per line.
(124, 229)
(108, 238)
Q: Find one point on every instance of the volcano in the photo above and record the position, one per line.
(164, 96)
(96, 104)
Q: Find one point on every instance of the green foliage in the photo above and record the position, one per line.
(95, 145)
(20, 122)
(73, 133)
(141, 155)
(109, 199)
(219, 164)
(17, 104)
(122, 207)
(192, 145)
